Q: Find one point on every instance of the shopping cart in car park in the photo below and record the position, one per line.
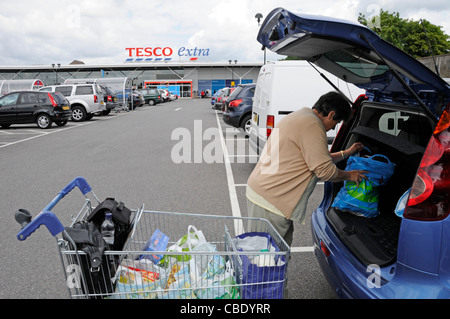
(166, 255)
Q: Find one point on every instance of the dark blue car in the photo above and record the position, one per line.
(238, 107)
(405, 115)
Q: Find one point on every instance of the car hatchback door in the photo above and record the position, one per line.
(355, 54)
(8, 104)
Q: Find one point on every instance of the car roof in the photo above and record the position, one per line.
(338, 45)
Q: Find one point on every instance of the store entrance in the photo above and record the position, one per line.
(183, 89)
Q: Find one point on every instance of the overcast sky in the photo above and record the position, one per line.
(99, 31)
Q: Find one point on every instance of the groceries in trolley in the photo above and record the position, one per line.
(162, 255)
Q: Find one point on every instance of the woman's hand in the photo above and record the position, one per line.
(356, 147)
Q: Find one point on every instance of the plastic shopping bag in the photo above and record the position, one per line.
(134, 280)
(186, 243)
(178, 284)
(218, 281)
(362, 200)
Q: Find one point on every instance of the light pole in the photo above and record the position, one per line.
(56, 67)
(258, 17)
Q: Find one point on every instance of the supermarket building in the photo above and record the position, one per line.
(184, 78)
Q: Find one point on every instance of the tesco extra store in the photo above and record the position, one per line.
(183, 71)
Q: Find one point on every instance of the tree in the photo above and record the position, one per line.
(418, 38)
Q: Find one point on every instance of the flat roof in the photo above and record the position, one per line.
(131, 65)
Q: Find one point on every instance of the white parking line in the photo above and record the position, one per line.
(302, 249)
(44, 133)
(235, 210)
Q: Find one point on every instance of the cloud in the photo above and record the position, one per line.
(58, 31)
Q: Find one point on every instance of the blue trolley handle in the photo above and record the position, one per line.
(46, 217)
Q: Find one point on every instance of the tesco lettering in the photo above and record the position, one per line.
(166, 52)
(141, 52)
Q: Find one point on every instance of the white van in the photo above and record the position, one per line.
(286, 86)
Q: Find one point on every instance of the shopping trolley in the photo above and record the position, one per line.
(214, 263)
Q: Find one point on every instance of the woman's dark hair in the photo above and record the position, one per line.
(333, 101)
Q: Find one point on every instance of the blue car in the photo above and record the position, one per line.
(238, 107)
(405, 116)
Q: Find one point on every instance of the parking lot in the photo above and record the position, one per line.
(129, 156)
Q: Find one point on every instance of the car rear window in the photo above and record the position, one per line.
(236, 92)
(84, 90)
(58, 97)
(44, 99)
(357, 62)
(64, 90)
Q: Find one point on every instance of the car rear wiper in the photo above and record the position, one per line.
(402, 82)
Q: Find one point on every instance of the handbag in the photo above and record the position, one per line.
(96, 269)
(362, 199)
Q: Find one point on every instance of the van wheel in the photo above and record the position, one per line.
(44, 121)
(246, 124)
(78, 114)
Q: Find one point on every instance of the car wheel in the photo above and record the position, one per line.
(151, 102)
(106, 112)
(246, 124)
(61, 123)
(78, 114)
(44, 121)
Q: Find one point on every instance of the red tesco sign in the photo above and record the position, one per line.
(145, 52)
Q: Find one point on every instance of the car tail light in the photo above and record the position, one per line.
(95, 99)
(110, 98)
(324, 249)
(52, 100)
(235, 103)
(270, 124)
(429, 197)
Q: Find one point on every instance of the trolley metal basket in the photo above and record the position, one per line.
(221, 266)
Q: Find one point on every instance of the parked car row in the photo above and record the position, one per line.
(154, 96)
(218, 99)
(59, 103)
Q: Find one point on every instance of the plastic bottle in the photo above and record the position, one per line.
(107, 229)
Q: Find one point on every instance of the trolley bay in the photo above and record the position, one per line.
(130, 157)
